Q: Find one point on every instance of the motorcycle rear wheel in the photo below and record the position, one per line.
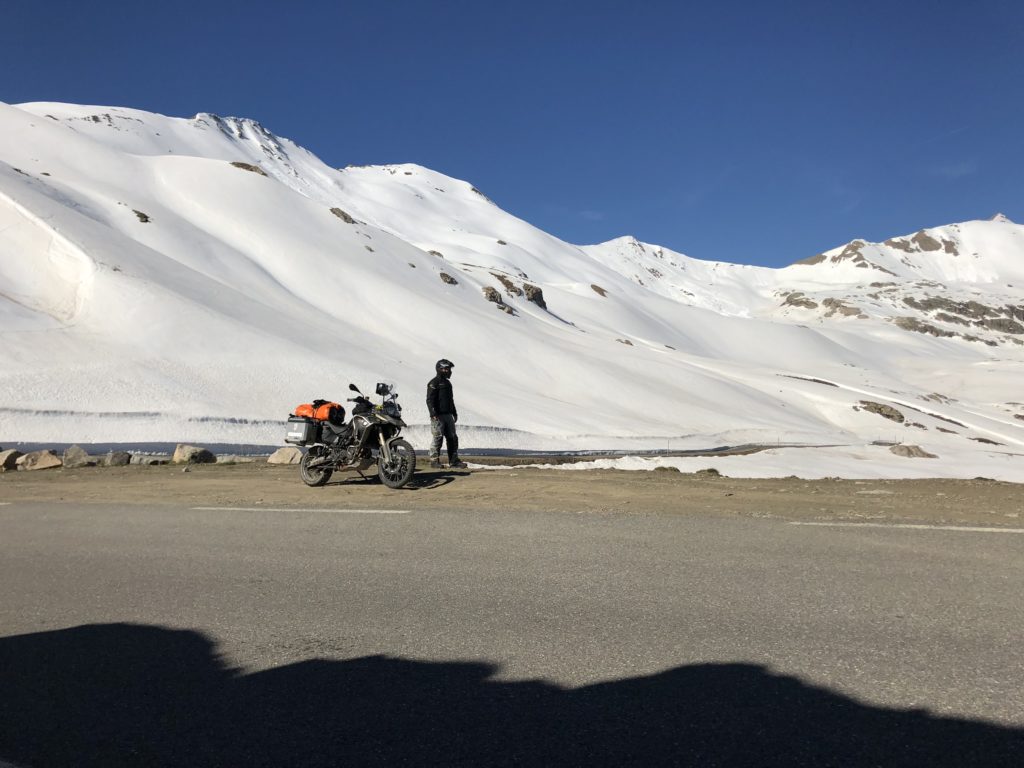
(313, 476)
(400, 470)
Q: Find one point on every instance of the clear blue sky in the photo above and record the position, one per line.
(753, 132)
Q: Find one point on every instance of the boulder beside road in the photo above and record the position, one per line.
(9, 459)
(287, 455)
(117, 459)
(39, 460)
(192, 454)
(150, 460)
(75, 456)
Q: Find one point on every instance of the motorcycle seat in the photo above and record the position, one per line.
(336, 433)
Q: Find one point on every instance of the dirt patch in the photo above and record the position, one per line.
(798, 299)
(881, 409)
(838, 306)
(971, 309)
(925, 242)
(492, 295)
(973, 502)
(510, 288)
(922, 242)
(851, 252)
(913, 324)
(1002, 325)
(535, 294)
(808, 378)
(249, 167)
(899, 244)
(811, 260)
(912, 451)
(945, 318)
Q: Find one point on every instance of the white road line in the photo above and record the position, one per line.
(294, 509)
(4, 504)
(970, 528)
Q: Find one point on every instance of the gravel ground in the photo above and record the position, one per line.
(955, 502)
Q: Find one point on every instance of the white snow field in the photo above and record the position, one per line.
(168, 279)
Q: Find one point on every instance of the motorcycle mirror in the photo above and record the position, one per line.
(383, 389)
(354, 388)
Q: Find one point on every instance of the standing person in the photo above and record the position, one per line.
(441, 405)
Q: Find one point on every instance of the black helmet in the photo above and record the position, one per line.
(444, 364)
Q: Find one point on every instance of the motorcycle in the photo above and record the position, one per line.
(370, 437)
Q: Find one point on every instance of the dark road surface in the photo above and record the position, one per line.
(145, 635)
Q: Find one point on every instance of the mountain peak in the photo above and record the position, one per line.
(1002, 217)
(144, 255)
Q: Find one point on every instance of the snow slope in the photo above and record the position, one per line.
(165, 279)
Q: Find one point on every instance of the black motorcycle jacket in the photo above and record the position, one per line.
(440, 399)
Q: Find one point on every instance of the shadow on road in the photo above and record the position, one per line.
(421, 480)
(118, 694)
(433, 478)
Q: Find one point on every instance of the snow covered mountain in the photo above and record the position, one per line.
(194, 279)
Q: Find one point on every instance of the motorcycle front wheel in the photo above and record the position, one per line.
(314, 476)
(399, 471)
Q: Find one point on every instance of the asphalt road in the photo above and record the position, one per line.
(167, 635)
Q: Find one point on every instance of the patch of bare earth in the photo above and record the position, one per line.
(970, 502)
